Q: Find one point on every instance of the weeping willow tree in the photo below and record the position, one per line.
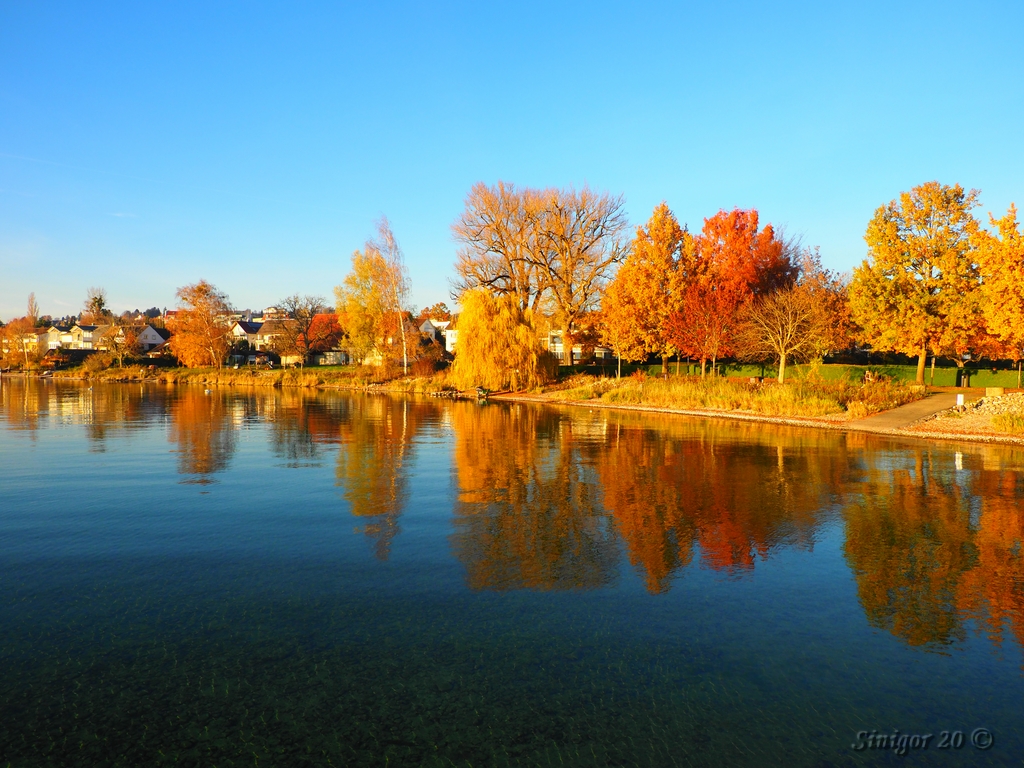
(498, 346)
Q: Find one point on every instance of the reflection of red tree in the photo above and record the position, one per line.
(680, 482)
(726, 543)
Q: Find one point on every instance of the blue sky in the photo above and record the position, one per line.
(145, 146)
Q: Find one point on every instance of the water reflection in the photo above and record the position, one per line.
(549, 499)
(933, 547)
(376, 441)
(201, 427)
(526, 510)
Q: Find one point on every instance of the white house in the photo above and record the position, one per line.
(151, 337)
(244, 330)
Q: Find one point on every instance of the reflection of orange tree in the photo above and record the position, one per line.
(526, 515)
(993, 590)
(375, 443)
(200, 425)
(641, 474)
(909, 543)
(683, 482)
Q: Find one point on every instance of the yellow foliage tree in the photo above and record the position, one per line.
(371, 300)
(918, 289)
(201, 329)
(1002, 267)
(498, 346)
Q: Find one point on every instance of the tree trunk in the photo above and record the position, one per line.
(1018, 373)
(618, 372)
(703, 367)
(932, 382)
(664, 365)
(921, 360)
(567, 345)
(782, 369)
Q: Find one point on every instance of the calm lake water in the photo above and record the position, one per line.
(297, 578)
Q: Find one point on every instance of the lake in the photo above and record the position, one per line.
(286, 577)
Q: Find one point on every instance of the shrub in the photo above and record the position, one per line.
(1011, 423)
(856, 409)
(425, 366)
(99, 361)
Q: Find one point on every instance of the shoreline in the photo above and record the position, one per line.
(790, 421)
(280, 381)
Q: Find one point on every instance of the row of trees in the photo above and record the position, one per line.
(935, 282)
(736, 287)
(202, 326)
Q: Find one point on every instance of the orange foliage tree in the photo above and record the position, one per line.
(201, 329)
(638, 303)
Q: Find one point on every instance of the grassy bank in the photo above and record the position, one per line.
(945, 375)
(809, 397)
(829, 391)
(333, 377)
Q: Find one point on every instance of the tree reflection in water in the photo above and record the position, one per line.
(992, 592)
(736, 491)
(933, 546)
(526, 513)
(201, 426)
(544, 496)
(375, 445)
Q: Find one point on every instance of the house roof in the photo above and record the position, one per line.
(248, 327)
(275, 326)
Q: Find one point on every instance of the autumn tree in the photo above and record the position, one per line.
(647, 288)
(918, 290)
(735, 260)
(497, 232)
(498, 346)
(371, 302)
(33, 308)
(579, 243)
(301, 335)
(829, 294)
(780, 326)
(438, 311)
(95, 310)
(202, 329)
(802, 322)
(552, 250)
(121, 339)
(619, 310)
(1001, 260)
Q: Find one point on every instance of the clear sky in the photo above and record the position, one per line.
(144, 146)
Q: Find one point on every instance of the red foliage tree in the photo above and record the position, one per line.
(735, 261)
